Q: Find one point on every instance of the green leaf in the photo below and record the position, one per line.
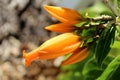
(91, 70)
(104, 42)
(118, 29)
(116, 74)
(113, 67)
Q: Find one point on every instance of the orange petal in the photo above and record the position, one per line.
(61, 52)
(59, 42)
(61, 27)
(63, 14)
(77, 56)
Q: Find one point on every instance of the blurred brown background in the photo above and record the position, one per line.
(22, 25)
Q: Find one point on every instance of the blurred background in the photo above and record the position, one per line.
(22, 25)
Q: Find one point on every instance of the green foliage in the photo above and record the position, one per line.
(118, 3)
(72, 72)
(96, 10)
(104, 42)
(116, 74)
(115, 50)
(110, 70)
(85, 70)
(118, 6)
(88, 32)
(116, 45)
(118, 26)
(91, 70)
(98, 32)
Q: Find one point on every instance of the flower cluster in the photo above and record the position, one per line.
(66, 43)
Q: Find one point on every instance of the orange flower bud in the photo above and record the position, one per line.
(57, 46)
(61, 27)
(77, 56)
(64, 15)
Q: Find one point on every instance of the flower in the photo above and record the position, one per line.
(68, 17)
(55, 47)
(62, 44)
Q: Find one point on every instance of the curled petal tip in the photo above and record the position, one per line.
(26, 62)
(46, 6)
(47, 28)
(24, 53)
(33, 55)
